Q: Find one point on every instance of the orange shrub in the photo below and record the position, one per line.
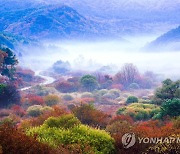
(66, 87)
(87, 114)
(119, 126)
(155, 129)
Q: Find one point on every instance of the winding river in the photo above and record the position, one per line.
(47, 80)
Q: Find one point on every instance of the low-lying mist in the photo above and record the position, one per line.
(91, 55)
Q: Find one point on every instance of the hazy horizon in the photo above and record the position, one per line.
(93, 55)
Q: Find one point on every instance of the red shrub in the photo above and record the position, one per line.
(90, 116)
(35, 100)
(18, 110)
(66, 87)
(136, 149)
(13, 141)
(155, 129)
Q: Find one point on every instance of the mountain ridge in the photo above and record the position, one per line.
(47, 21)
(170, 40)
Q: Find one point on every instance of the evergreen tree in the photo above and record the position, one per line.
(8, 62)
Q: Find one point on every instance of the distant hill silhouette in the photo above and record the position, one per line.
(47, 21)
(167, 41)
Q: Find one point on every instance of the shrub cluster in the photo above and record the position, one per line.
(66, 87)
(139, 111)
(132, 99)
(9, 95)
(87, 114)
(37, 110)
(51, 100)
(56, 111)
(35, 100)
(53, 133)
(13, 141)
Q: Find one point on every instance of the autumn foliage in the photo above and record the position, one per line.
(155, 129)
(37, 121)
(18, 110)
(87, 114)
(9, 94)
(13, 141)
(35, 100)
(65, 86)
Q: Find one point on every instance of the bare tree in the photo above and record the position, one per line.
(99, 76)
(127, 75)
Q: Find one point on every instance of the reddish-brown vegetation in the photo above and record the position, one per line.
(35, 100)
(156, 129)
(90, 116)
(65, 86)
(13, 141)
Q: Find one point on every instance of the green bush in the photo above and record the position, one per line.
(35, 110)
(142, 115)
(8, 120)
(132, 99)
(171, 108)
(99, 140)
(121, 110)
(169, 90)
(158, 116)
(65, 121)
(46, 109)
(139, 111)
(89, 82)
(51, 100)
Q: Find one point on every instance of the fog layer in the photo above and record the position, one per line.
(93, 55)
